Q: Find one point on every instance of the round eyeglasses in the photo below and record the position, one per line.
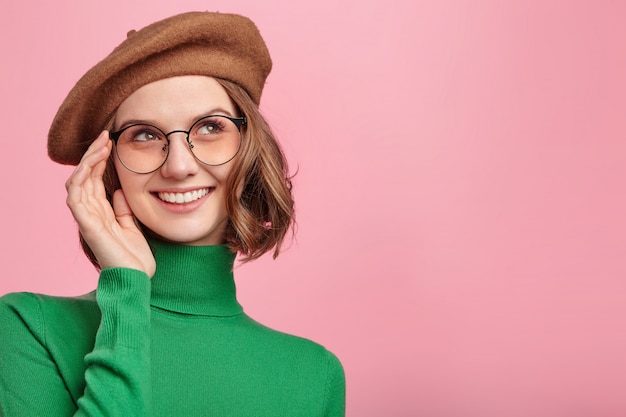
(213, 140)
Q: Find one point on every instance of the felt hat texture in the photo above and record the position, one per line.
(219, 45)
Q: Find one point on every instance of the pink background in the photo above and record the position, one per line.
(460, 196)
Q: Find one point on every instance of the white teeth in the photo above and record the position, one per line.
(181, 198)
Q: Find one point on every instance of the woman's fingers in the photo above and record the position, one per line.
(98, 171)
(105, 147)
(86, 195)
(93, 161)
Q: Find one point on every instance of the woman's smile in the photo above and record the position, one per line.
(183, 202)
(183, 197)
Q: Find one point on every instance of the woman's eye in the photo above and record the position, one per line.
(209, 128)
(145, 136)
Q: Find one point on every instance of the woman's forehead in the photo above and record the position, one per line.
(175, 100)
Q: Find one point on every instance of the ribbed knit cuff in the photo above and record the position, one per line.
(123, 296)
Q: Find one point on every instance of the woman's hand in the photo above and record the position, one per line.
(110, 232)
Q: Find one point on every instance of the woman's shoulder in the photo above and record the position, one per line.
(291, 345)
(302, 359)
(43, 315)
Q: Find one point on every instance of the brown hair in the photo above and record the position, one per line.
(261, 208)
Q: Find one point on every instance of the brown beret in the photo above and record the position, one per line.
(217, 45)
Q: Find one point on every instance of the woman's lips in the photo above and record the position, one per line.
(182, 197)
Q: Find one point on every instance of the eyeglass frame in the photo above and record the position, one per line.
(238, 121)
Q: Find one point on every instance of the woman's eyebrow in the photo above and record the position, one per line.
(134, 122)
(217, 110)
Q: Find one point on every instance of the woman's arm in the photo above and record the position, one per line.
(29, 381)
(117, 372)
(335, 388)
(118, 368)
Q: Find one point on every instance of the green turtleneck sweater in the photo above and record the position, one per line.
(176, 345)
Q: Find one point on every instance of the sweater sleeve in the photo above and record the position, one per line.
(117, 373)
(335, 388)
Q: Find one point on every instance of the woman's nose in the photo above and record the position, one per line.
(180, 161)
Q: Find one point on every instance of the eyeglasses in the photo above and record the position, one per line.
(213, 140)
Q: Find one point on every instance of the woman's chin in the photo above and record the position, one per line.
(184, 237)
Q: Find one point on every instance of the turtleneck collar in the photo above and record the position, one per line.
(195, 280)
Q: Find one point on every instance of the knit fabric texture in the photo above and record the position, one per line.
(176, 345)
(219, 45)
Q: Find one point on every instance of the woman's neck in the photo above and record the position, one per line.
(196, 280)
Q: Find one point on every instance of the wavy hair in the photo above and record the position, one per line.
(260, 207)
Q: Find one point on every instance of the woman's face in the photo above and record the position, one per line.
(175, 104)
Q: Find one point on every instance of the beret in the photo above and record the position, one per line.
(219, 45)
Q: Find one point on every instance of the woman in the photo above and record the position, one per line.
(183, 174)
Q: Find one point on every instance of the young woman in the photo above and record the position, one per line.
(183, 173)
